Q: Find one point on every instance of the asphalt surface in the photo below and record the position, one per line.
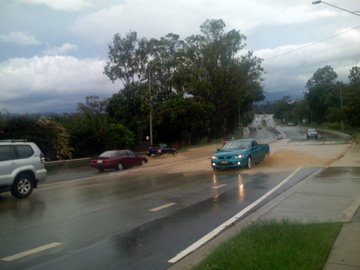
(329, 195)
(115, 227)
(119, 220)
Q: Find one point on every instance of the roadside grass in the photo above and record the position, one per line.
(275, 245)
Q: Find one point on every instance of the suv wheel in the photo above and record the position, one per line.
(22, 186)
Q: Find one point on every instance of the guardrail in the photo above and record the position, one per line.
(69, 163)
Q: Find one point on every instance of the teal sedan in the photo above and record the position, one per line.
(239, 153)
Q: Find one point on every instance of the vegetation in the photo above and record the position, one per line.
(326, 102)
(273, 245)
(196, 88)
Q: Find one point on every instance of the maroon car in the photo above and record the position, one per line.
(117, 159)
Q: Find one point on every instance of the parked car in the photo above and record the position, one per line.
(312, 133)
(117, 159)
(21, 167)
(160, 149)
(239, 153)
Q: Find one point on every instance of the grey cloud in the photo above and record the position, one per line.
(19, 38)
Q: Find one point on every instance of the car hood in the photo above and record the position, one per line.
(226, 152)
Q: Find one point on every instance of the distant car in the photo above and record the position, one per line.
(253, 131)
(160, 149)
(312, 133)
(117, 159)
(239, 153)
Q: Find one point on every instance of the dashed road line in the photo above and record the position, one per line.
(30, 252)
(161, 207)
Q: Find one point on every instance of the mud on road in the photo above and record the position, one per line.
(283, 155)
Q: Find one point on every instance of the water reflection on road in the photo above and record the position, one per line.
(116, 208)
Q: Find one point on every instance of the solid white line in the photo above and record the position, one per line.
(219, 186)
(30, 252)
(162, 207)
(230, 221)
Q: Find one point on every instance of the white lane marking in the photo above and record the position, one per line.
(230, 221)
(30, 252)
(219, 186)
(162, 207)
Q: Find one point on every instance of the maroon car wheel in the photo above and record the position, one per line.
(120, 167)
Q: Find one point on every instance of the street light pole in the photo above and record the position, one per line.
(151, 64)
(331, 5)
(150, 107)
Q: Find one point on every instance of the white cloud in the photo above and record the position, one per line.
(95, 27)
(49, 75)
(276, 26)
(66, 5)
(158, 17)
(19, 38)
(60, 50)
(291, 66)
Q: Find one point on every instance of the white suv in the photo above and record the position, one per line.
(21, 167)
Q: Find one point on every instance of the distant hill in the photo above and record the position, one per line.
(274, 96)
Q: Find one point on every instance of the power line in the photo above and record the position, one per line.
(311, 44)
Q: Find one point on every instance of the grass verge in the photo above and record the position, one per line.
(275, 245)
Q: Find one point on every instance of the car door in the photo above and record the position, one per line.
(256, 152)
(124, 158)
(8, 164)
(133, 160)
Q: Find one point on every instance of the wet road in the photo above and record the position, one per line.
(122, 223)
(127, 221)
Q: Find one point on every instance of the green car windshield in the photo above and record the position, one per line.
(236, 145)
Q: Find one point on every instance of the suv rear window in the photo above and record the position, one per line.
(23, 151)
(10, 152)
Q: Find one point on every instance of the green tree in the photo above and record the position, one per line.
(127, 59)
(352, 96)
(130, 107)
(184, 119)
(217, 78)
(92, 131)
(55, 139)
(205, 67)
(118, 136)
(51, 136)
(322, 93)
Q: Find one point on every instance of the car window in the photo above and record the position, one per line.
(24, 151)
(122, 153)
(130, 153)
(109, 154)
(6, 153)
(236, 144)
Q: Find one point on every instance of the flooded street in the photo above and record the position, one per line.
(143, 217)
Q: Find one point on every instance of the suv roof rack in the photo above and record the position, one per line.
(13, 140)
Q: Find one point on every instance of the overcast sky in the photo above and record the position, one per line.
(53, 52)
